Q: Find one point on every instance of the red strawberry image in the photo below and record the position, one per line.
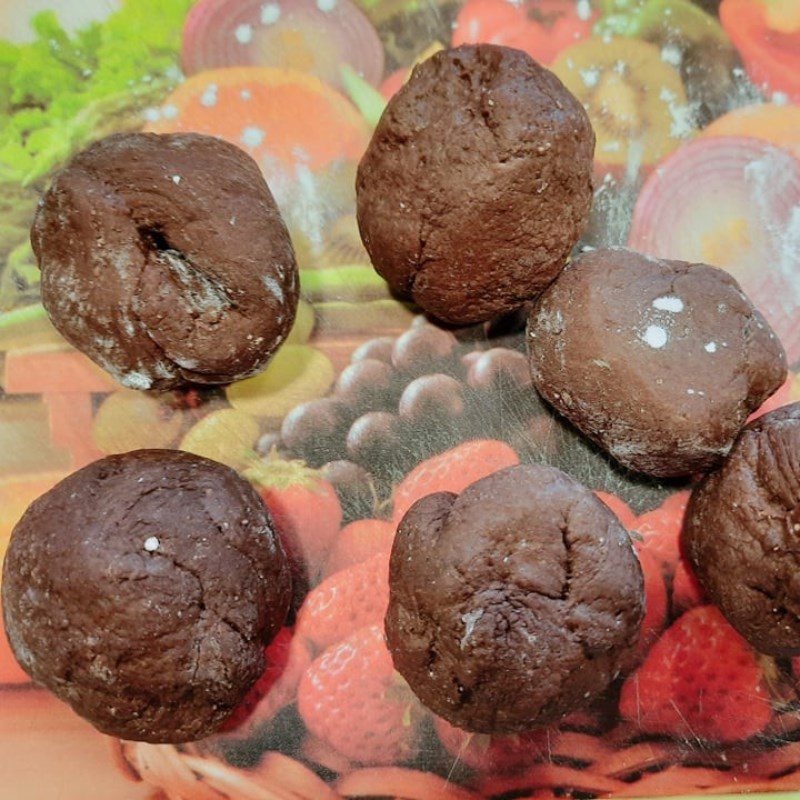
(781, 397)
(620, 508)
(359, 541)
(492, 753)
(352, 699)
(345, 601)
(452, 471)
(304, 507)
(676, 503)
(686, 590)
(660, 531)
(700, 680)
(655, 592)
(278, 656)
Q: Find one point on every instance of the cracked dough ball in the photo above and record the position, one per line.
(513, 603)
(658, 362)
(477, 183)
(142, 590)
(165, 259)
(742, 533)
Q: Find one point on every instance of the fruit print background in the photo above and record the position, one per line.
(697, 111)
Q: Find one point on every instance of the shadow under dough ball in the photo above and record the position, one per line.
(658, 362)
(742, 533)
(142, 590)
(476, 184)
(513, 603)
(165, 259)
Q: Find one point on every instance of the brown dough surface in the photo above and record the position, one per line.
(142, 590)
(513, 603)
(742, 533)
(659, 362)
(165, 259)
(477, 182)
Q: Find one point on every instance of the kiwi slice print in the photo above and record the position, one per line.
(342, 244)
(635, 99)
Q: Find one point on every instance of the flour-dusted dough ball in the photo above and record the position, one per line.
(513, 603)
(165, 259)
(659, 362)
(142, 590)
(477, 183)
(742, 533)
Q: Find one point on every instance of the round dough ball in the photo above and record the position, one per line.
(142, 590)
(477, 183)
(514, 603)
(742, 533)
(658, 362)
(165, 259)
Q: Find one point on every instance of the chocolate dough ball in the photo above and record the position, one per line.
(742, 533)
(164, 258)
(142, 590)
(476, 184)
(514, 603)
(658, 362)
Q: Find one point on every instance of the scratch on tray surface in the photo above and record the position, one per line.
(686, 723)
(461, 750)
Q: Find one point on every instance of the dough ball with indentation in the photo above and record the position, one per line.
(742, 533)
(477, 183)
(165, 259)
(513, 603)
(142, 590)
(658, 362)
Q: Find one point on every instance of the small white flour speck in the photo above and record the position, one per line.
(711, 347)
(136, 380)
(169, 111)
(469, 620)
(583, 9)
(209, 96)
(252, 136)
(682, 121)
(151, 544)
(152, 114)
(682, 114)
(671, 54)
(673, 304)
(326, 5)
(270, 13)
(590, 76)
(274, 287)
(176, 179)
(246, 94)
(655, 336)
(244, 34)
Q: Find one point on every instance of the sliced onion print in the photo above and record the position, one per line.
(733, 202)
(313, 36)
